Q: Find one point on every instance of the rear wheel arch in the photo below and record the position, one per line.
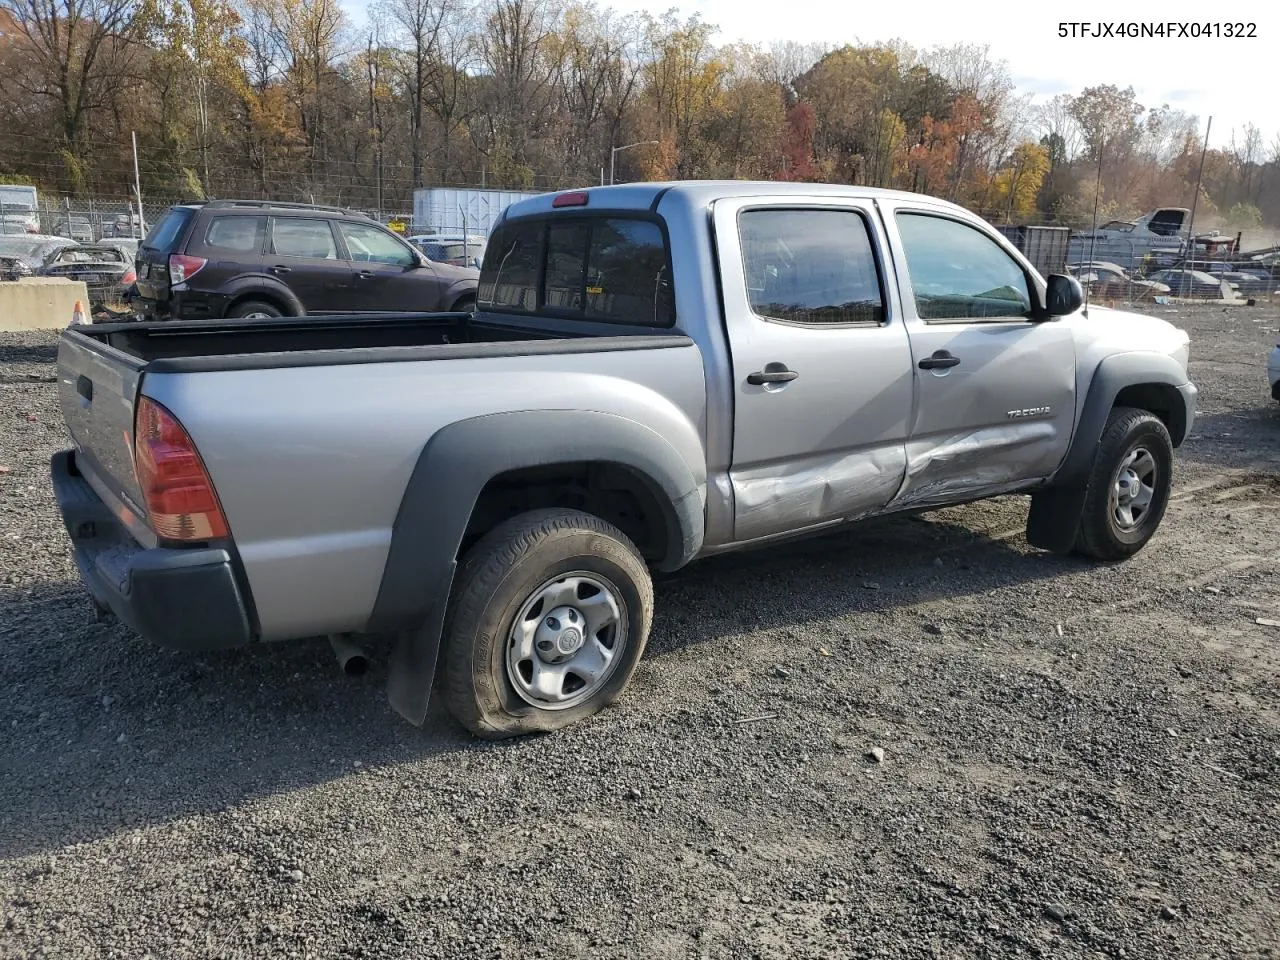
(283, 300)
(458, 471)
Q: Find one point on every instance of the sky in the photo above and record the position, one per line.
(1233, 80)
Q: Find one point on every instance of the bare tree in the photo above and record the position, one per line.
(417, 25)
(72, 54)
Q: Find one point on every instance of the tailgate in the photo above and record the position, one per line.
(97, 388)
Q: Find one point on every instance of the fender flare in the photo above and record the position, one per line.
(255, 285)
(441, 494)
(1054, 519)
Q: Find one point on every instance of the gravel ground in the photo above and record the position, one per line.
(920, 738)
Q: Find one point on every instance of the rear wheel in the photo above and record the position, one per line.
(1128, 489)
(253, 310)
(549, 617)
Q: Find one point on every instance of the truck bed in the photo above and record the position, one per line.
(293, 341)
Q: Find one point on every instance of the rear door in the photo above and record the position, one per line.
(303, 254)
(388, 274)
(233, 243)
(995, 389)
(821, 365)
(152, 262)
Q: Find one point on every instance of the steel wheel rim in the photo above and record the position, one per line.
(566, 641)
(1133, 489)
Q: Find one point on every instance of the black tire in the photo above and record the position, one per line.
(465, 304)
(1102, 534)
(248, 308)
(500, 574)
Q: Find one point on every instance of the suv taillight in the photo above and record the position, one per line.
(183, 268)
(179, 496)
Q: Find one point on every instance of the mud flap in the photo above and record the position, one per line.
(1054, 519)
(414, 659)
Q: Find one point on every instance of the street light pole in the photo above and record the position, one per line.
(614, 151)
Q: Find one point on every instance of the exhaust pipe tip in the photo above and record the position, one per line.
(352, 660)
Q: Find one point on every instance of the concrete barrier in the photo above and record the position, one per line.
(40, 303)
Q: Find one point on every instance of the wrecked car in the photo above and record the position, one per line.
(654, 373)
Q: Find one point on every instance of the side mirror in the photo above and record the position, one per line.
(1063, 295)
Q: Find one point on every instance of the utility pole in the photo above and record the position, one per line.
(1191, 224)
(614, 151)
(137, 183)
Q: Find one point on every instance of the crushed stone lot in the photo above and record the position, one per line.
(914, 738)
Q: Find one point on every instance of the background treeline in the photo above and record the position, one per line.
(288, 99)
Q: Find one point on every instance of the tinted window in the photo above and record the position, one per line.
(242, 234)
(164, 235)
(959, 273)
(368, 244)
(512, 266)
(628, 277)
(303, 238)
(810, 266)
(566, 264)
(613, 269)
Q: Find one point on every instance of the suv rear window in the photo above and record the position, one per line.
(613, 269)
(164, 235)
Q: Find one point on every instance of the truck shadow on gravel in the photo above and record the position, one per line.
(105, 732)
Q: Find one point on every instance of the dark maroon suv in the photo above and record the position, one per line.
(243, 258)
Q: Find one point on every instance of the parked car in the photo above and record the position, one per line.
(106, 270)
(76, 228)
(452, 248)
(1195, 283)
(654, 373)
(1108, 280)
(256, 259)
(122, 225)
(22, 256)
(12, 224)
(1273, 371)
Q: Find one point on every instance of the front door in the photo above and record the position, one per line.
(995, 394)
(388, 274)
(820, 360)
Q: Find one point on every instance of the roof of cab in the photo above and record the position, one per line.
(642, 196)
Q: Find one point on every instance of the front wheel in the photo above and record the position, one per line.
(1128, 489)
(550, 615)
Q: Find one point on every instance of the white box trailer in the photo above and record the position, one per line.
(460, 210)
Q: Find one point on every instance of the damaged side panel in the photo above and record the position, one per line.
(807, 490)
(945, 469)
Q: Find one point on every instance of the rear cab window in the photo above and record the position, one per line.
(164, 235)
(611, 269)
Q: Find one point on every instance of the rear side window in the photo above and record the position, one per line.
(512, 268)
(240, 234)
(164, 235)
(303, 238)
(810, 266)
(613, 269)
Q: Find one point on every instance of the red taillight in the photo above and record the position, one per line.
(128, 278)
(179, 496)
(183, 268)
(578, 198)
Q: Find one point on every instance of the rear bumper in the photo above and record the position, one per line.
(188, 599)
(182, 305)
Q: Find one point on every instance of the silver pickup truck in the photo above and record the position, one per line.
(655, 373)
